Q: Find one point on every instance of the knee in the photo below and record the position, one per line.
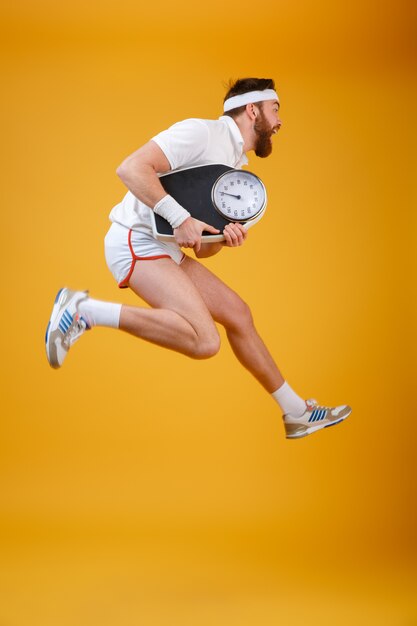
(238, 316)
(207, 347)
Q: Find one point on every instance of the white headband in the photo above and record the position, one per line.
(247, 98)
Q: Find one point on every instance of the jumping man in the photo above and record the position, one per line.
(186, 298)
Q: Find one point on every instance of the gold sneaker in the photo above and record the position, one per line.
(315, 418)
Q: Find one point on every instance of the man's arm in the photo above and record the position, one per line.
(139, 172)
(208, 249)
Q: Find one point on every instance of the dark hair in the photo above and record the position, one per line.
(243, 85)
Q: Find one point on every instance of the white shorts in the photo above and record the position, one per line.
(123, 247)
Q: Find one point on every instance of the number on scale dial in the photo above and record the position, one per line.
(238, 195)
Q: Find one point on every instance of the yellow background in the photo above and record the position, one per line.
(139, 487)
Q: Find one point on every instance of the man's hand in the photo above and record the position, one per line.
(234, 235)
(188, 234)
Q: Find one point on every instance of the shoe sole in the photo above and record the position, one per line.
(55, 311)
(313, 429)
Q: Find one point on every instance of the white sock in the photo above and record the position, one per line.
(289, 402)
(98, 313)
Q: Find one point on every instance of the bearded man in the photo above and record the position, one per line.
(187, 299)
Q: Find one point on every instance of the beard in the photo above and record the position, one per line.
(262, 128)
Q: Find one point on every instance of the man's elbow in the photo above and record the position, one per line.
(129, 168)
(126, 172)
(121, 171)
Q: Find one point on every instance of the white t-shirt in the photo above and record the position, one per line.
(188, 143)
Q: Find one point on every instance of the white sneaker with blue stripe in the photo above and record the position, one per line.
(315, 418)
(65, 325)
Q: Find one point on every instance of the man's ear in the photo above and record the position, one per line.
(252, 111)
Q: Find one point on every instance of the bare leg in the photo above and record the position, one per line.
(179, 320)
(227, 308)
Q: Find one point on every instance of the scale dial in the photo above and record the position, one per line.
(239, 195)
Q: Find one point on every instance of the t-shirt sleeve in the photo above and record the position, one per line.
(183, 143)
